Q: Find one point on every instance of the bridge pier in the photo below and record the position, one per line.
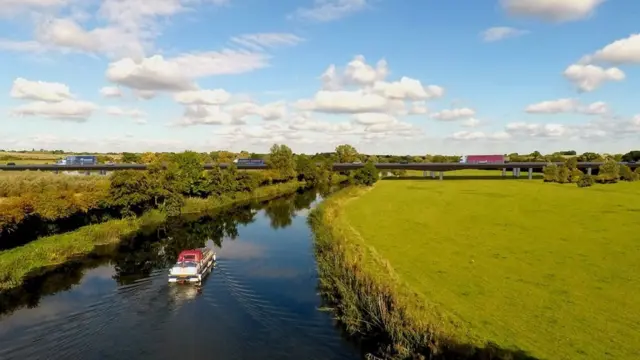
(441, 175)
(424, 173)
(588, 171)
(433, 174)
(87, 172)
(504, 172)
(530, 173)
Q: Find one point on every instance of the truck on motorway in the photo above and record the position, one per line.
(79, 160)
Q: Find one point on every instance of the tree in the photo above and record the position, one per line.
(535, 156)
(148, 158)
(130, 191)
(589, 157)
(281, 160)
(346, 153)
(627, 174)
(550, 172)
(130, 158)
(585, 181)
(609, 172)
(631, 156)
(189, 175)
(366, 175)
(572, 163)
(576, 175)
(563, 175)
(307, 170)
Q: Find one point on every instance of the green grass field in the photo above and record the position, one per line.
(547, 268)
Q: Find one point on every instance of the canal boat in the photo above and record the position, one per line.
(192, 265)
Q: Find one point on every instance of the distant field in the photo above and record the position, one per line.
(551, 269)
(472, 173)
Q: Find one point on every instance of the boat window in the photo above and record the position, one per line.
(190, 257)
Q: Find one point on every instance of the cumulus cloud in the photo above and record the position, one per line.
(40, 90)
(263, 41)
(471, 123)
(501, 33)
(407, 89)
(177, 74)
(203, 97)
(552, 106)
(418, 108)
(72, 110)
(121, 112)
(130, 26)
(567, 105)
(552, 10)
(623, 51)
(236, 113)
(345, 102)
(590, 77)
(479, 135)
(329, 10)
(111, 92)
(454, 114)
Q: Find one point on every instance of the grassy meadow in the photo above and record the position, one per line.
(551, 269)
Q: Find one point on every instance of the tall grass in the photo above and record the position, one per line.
(371, 301)
(48, 252)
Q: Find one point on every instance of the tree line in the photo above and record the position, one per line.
(170, 179)
(608, 173)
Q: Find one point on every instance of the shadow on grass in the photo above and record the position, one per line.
(458, 177)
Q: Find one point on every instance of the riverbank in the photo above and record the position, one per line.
(45, 253)
(424, 266)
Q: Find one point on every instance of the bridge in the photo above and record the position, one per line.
(515, 167)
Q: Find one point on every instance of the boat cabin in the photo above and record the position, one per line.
(190, 256)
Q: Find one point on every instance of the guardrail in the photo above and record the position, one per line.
(336, 167)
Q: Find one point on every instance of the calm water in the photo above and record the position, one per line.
(260, 301)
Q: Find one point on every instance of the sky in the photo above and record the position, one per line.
(389, 77)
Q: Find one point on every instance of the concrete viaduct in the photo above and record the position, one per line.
(430, 168)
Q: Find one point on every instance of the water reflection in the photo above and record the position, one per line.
(259, 302)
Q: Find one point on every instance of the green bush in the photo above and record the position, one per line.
(627, 174)
(550, 172)
(366, 175)
(563, 175)
(609, 172)
(576, 175)
(585, 181)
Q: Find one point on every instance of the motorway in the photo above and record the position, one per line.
(336, 167)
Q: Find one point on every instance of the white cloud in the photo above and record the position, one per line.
(72, 110)
(539, 130)
(232, 114)
(407, 89)
(262, 41)
(479, 135)
(373, 118)
(305, 123)
(345, 102)
(40, 90)
(501, 33)
(203, 97)
(454, 114)
(329, 10)
(11, 7)
(567, 105)
(590, 77)
(623, 51)
(471, 123)
(204, 115)
(133, 113)
(358, 72)
(552, 10)
(110, 92)
(418, 108)
(552, 106)
(156, 73)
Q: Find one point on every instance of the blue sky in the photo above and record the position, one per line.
(404, 77)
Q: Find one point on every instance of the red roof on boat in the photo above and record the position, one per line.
(190, 255)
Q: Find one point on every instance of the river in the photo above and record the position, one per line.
(260, 301)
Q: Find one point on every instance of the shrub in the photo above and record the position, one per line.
(366, 175)
(585, 181)
(550, 172)
(563, 175)
(609, 172)
(576, 175)
(627, 174)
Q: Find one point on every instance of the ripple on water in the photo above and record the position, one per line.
(259, 302)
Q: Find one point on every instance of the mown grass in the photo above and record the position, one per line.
(551, 269)
(45, 253)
